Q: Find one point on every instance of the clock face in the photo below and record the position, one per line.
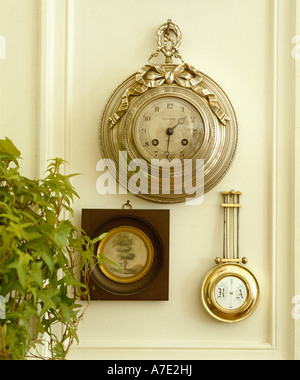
(231, 293)
(168, 128)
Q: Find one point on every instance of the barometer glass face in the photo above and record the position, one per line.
(231, 293)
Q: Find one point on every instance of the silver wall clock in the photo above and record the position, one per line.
(169, 113)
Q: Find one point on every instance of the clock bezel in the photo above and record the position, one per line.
(209, 284)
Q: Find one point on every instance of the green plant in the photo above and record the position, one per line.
(41, 255)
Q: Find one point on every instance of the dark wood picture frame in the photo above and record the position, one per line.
(156, 225)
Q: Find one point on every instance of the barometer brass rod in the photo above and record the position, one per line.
(231, 233)
(224, 232)
(238, 228)
(227, 228)
(233, 228)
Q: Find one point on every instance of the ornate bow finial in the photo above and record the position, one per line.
(153, 76)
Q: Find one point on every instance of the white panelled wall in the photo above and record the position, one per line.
(19, 78)
(64, 58)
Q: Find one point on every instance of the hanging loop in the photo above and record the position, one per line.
(169, 39)
(127, 205)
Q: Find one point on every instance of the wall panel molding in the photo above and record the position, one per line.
(55, 139)
(247, 348)
(55, 79)
(297, 186)
(274, 198)
(55, 70)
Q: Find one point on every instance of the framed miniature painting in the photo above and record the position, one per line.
(137, 246)
(132, 252)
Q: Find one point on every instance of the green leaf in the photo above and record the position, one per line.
(46, 296)
(9, 216)
(31, 310)
(51, 217)
(47, 257)
(99, 238)
(61, 233)
(7, 146)
(101, 258)
(70, 280)
(21, 264)
(67, 313)
(23, 231)
(36, 273)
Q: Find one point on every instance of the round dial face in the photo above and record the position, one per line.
(168, 128)
(231, 293)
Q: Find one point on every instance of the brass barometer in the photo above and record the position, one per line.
(167, 116)
(229, 291)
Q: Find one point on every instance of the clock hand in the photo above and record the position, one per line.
(180, 121)
(167, 151)
(170, 132)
